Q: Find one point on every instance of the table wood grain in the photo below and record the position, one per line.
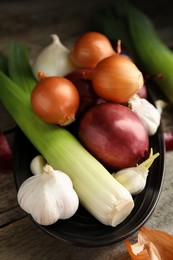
(32, 22)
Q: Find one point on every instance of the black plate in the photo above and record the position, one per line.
(83, 229)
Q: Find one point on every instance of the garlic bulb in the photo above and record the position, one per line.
(53, 60)
(37, 164)
(148, 113)
(134, 178)
(48, 196)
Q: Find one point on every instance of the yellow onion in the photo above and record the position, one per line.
(55, 100)
(89, 49)
(152, 244)
(116, 79)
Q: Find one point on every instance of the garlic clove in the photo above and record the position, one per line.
(134, 178)
(53, 60)
(37, 164)
(161, 105)
(48, 197)
(147, 112)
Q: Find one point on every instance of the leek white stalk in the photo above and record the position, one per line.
(98, 191)
(53, 60)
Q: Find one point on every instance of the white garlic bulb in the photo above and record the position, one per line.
(48, 197)
(53, 60)
(148, 113)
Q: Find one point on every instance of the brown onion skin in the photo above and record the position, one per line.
(90, 48)
(55, 100)
(114, 135)
(116, 79)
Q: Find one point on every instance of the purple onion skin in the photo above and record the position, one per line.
(142, 93)
(88, 97)
(114, 135)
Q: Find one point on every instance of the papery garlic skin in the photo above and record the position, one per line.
(48, 197)
(133, 178)
(148, 113)
(53, 60)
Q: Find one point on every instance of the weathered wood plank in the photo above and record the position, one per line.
(23, 240)
(7, 191)
(6, 121)
(11, 215)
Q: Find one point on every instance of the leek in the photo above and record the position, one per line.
(19, 68)
(112, 22)
(3, 63)
(105, 198)
(154, 55)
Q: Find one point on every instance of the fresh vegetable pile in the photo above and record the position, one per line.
(85, 129)
(84, 112)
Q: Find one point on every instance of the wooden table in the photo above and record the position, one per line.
(32, 22)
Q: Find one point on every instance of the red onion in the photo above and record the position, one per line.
(168, 138)
(142, 92)
(114, 135)
(5, 153)
(88, 97)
